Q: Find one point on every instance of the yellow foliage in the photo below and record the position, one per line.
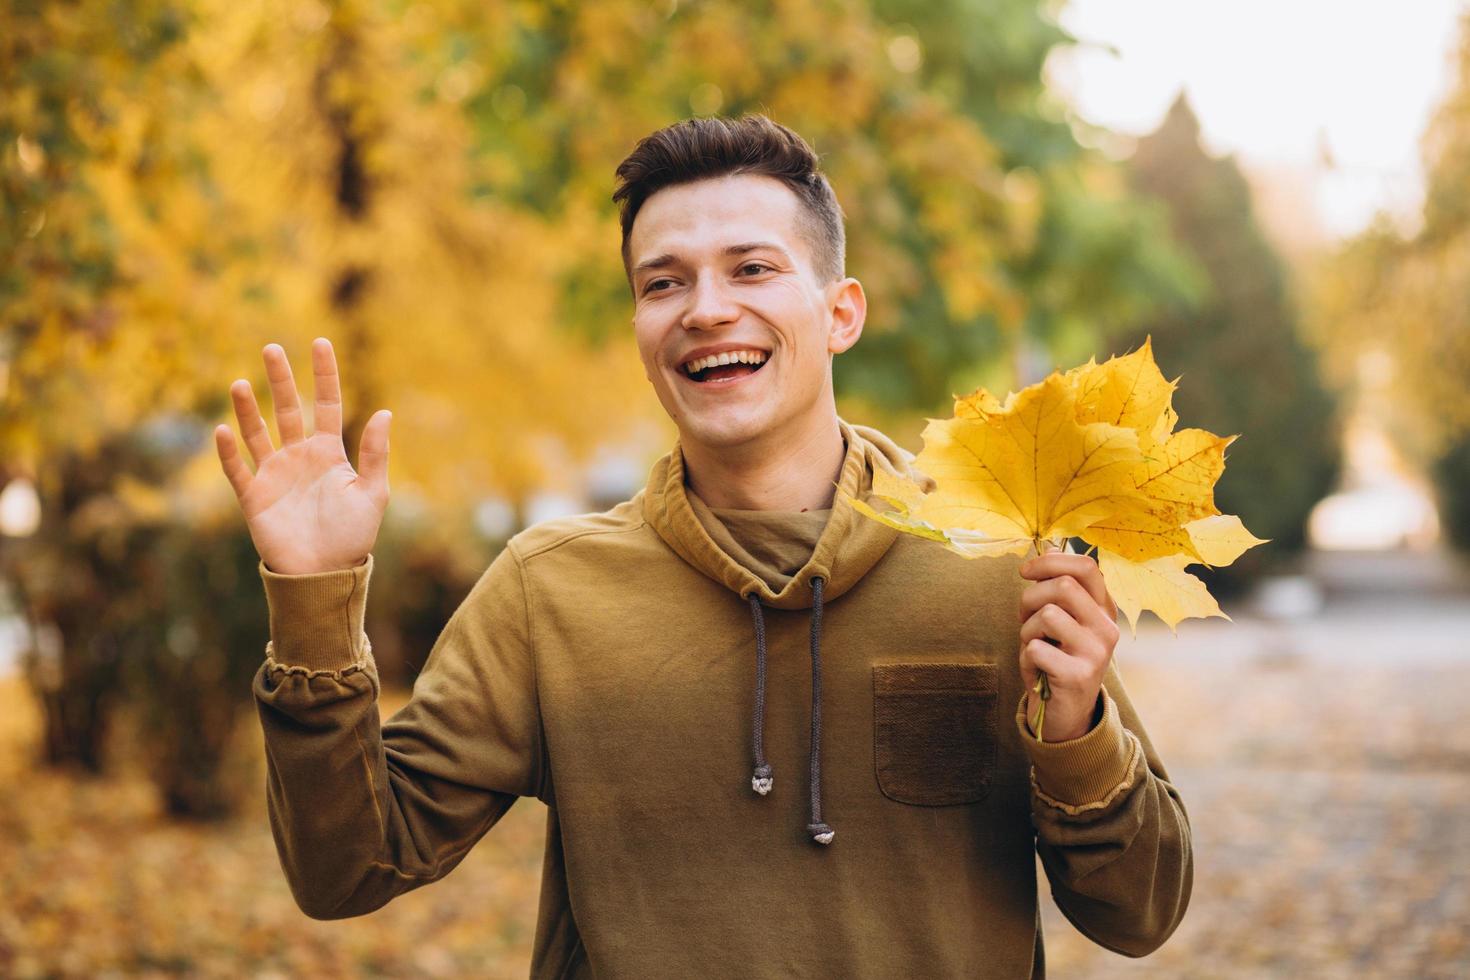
(1089, 453)
(1031, 471)
(455, 325)
(904, 495)
(1160, 584)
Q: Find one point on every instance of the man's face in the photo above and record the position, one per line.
(719, 266)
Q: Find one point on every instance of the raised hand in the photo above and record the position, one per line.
(306, 508)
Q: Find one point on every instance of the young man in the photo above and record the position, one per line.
(775, 738)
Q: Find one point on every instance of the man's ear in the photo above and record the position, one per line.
(849, 308)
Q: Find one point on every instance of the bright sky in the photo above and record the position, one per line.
(1272, 81)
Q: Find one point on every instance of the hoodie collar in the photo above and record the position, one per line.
(848, 547)
(774, 544)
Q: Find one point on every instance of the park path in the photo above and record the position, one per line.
(1324, 759)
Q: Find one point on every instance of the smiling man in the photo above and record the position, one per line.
(774, 738)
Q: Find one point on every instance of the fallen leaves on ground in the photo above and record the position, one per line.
(1326, 809)
(95, 881)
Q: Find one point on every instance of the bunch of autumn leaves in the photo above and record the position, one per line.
(1093, 454)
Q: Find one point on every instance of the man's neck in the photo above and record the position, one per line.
(775, 473)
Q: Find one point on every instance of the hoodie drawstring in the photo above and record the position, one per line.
(821, 833)
(761, 777)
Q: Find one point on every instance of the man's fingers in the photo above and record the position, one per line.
(1071, 595)
(230, 459)
(283, 393)
(1054, 622)
(1081, 567)
(328, 387)
(1040, 656)
(372, 455)
(252, 427)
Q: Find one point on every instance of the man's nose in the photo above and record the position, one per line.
(710, 304)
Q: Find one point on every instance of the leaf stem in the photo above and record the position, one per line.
(1043, 684)
(1043, 690)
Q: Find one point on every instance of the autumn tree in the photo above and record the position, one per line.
(100, 319)
(1403, 302)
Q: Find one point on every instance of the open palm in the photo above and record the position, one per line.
(307, 509)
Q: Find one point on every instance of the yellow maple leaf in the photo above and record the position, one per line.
(900, 491)
(1138, 533)
(1029, 472)
(1221, 539)
(903, 494)
(1165, 425)
(979, 404)
(1160, 584)
(1180, 475)
(1128, 391)
(1176, 486)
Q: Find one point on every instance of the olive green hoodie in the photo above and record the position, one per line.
(833, 778)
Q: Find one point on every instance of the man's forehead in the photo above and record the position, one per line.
(714, 215)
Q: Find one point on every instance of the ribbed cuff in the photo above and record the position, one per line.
(316, 620)
(1082, 772)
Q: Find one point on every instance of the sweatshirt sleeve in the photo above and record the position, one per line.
(362, 812)
(1111, 830)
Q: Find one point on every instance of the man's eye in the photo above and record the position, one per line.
(650, 287)
(758, 266)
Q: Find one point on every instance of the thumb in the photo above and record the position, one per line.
(372, 454)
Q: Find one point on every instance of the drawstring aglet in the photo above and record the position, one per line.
(821, 833)
(761, 779)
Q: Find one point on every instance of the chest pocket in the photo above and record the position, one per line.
(934, 731)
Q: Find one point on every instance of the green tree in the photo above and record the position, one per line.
(1088, 252)
(1244, 367)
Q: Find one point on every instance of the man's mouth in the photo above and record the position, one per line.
(724, 368)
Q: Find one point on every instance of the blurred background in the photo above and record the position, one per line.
(1277, 193)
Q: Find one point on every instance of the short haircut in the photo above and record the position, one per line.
(704, 147)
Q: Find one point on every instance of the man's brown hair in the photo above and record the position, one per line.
(695, 149)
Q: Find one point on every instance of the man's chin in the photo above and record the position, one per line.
(724, 429)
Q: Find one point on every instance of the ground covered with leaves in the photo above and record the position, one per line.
(1325, 766)
(96, 882)
(1328, 816)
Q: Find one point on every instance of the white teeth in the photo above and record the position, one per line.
(728, 357)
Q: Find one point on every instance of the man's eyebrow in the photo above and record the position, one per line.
(657, 262)
(668, 258)
(744, 247)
